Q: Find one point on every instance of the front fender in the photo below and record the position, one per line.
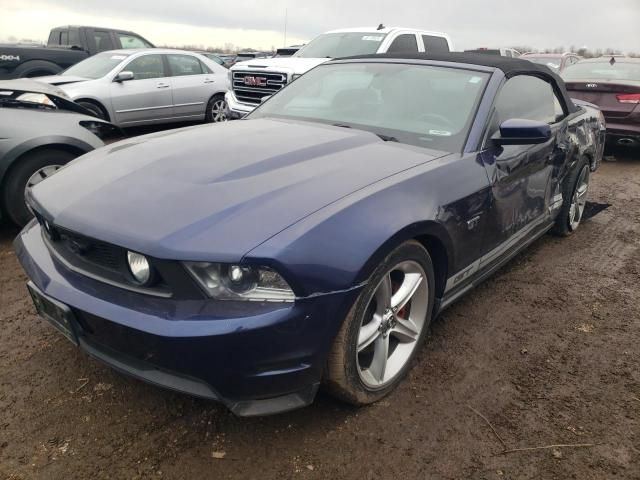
(338, 247)
(44, 141)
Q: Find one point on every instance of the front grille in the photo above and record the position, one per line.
(92, 251)
(251, 87)
(99, 260)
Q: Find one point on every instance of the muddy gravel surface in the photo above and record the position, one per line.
(547, 352)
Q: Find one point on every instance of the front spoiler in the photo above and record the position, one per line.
(192, 386)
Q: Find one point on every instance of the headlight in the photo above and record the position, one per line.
(241, 282)
(103, 130)
(40, 98)
(230, 76)
(139, 267)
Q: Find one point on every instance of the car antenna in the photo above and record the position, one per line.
(381, 27)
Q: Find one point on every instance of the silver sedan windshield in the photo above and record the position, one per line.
(97, 66)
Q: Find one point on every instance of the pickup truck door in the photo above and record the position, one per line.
(523, 193)
(193, 84)
(147, 97)
(97, 40)
(402, 42)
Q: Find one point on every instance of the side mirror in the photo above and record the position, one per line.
(518, 131)
(124, 76)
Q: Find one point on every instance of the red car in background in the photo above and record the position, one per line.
(612, 83)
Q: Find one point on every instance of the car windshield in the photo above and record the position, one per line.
(420, 105)
(620, 70)
(346, 44)
(552, 62)
(97, 66)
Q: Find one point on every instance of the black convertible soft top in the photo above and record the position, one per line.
(509, 66)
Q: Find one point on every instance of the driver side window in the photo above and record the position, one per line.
(530, 98)
(146, 67)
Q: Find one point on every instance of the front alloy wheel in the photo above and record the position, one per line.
(41, 174)
(384, 329)
(392, 324)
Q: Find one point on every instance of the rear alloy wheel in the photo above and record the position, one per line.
(575, 190)
(384, 329)
(579, 198)
(216, 110)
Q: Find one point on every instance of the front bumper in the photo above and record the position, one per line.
(255, 358)
(235, 109)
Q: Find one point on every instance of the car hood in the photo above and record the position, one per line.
(215, 192)
(61, 79)
(292, 65)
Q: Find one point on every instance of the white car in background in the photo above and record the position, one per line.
(253, 80)
(147, 86)
(502, 52)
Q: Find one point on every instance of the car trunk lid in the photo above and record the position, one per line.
(617, 100)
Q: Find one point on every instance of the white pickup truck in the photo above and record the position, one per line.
(253, 80)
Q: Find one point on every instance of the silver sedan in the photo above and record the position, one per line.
(146, 86)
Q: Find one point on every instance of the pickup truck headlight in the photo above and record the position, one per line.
(241, 282)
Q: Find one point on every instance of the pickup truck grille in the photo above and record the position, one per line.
(250, 87)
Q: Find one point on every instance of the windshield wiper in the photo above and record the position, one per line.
(384, 138)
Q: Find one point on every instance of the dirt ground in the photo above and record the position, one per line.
(547, 350)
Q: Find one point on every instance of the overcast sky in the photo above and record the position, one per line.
(260, 23)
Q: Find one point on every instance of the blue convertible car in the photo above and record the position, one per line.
(312, 243)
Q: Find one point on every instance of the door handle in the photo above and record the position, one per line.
(162, 85)
(208, 80)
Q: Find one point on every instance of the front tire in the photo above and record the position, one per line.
(29, 170)
(216, 109)
(384, 329)
(95, 109)
(574, 193)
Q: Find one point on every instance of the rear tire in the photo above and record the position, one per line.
(574, 194)
(36, 68)
(23, 170)
(354, 373)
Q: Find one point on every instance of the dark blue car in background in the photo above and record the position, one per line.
(317, 241)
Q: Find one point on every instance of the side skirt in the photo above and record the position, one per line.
(489, 264)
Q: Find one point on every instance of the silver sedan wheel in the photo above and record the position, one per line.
(392, 324)
(219, 111)
(579, 198)
(40, 174)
